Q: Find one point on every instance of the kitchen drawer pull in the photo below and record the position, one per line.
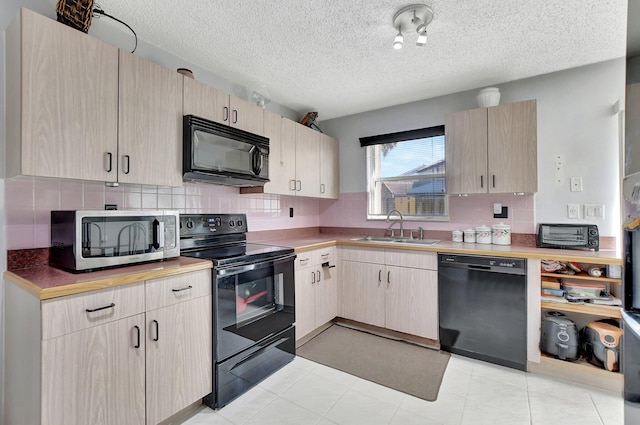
(225, 116)
(182, 289)
(128, 163)
(157, 337)
(325, 255)
(137, 328)
(108, 161)
(93, 310)
(304, 261)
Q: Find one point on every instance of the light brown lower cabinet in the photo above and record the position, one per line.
(389, 288)
(316, 289)
(134, 354)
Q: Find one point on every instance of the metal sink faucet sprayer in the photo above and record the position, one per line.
(401, 222)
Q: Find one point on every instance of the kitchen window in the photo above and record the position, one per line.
(406, 172)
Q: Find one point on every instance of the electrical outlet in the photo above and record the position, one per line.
(573, 210)
(576, 184)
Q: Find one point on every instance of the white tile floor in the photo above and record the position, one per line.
(472, 392)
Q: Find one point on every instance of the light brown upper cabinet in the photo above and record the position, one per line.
(210, 103)
(492, 150)
(302, 161)
(62, 101)
(78, 108)
(150, 123)
(329, 169)
(307, 181)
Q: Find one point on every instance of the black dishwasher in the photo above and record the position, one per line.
(482, 304)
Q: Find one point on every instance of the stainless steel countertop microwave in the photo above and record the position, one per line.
(218, 153)
(83, 240)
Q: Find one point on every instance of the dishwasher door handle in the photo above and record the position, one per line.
(477, 267)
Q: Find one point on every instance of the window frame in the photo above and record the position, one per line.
(373, 148)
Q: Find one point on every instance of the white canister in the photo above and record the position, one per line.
(483, 234)
(470, 236)
(501, 234)
(456, 235)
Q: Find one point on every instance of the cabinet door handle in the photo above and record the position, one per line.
(318, 272)
(292, 185)
(108, 157)
(225, 114)
(299, 185)
(388, 278)
(481, 181)
(137, 328)
(313, 278)
(235, 116)
(92, 310)
(494, 180)
(379, 276)
(182, 289)
(127, 163)
(322, 188)
(157, 337)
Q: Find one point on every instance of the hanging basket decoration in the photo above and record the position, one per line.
(75, 13)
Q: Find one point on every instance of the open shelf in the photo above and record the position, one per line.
(582, 276)
(580, 365)
(596, 310)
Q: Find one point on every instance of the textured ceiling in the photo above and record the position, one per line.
(336, 56)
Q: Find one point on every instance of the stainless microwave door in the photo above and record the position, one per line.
(213, 152)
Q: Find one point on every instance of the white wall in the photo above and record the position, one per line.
(575, 120)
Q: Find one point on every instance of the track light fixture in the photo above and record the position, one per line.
(399, 40)
(415, 16)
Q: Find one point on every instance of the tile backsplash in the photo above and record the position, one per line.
(29, 200)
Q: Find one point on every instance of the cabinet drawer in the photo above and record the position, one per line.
(327, 255)
(61, 316)
(176, 289)
(364, 254)
(414, 259)
(306, 259)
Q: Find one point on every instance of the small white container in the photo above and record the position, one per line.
(456, 236)
(488, 97)
(483, 234)
(470, 236)
(501, 234)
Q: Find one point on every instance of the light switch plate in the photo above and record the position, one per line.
(593, 211)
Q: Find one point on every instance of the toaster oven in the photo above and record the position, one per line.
(569, 236)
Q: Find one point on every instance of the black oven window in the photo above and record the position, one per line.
(258, 294)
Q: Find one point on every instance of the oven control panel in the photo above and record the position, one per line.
(220, 224)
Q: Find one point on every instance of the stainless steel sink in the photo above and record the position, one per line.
(419, 241)
(398, 240)
(376, 239)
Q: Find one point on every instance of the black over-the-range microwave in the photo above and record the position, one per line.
(568, 236)
(222, 154)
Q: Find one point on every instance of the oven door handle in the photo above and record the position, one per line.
(254, 266)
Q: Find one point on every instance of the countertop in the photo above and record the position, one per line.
(50, 282)
(322, 240)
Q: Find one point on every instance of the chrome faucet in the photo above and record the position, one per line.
(401, 222)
